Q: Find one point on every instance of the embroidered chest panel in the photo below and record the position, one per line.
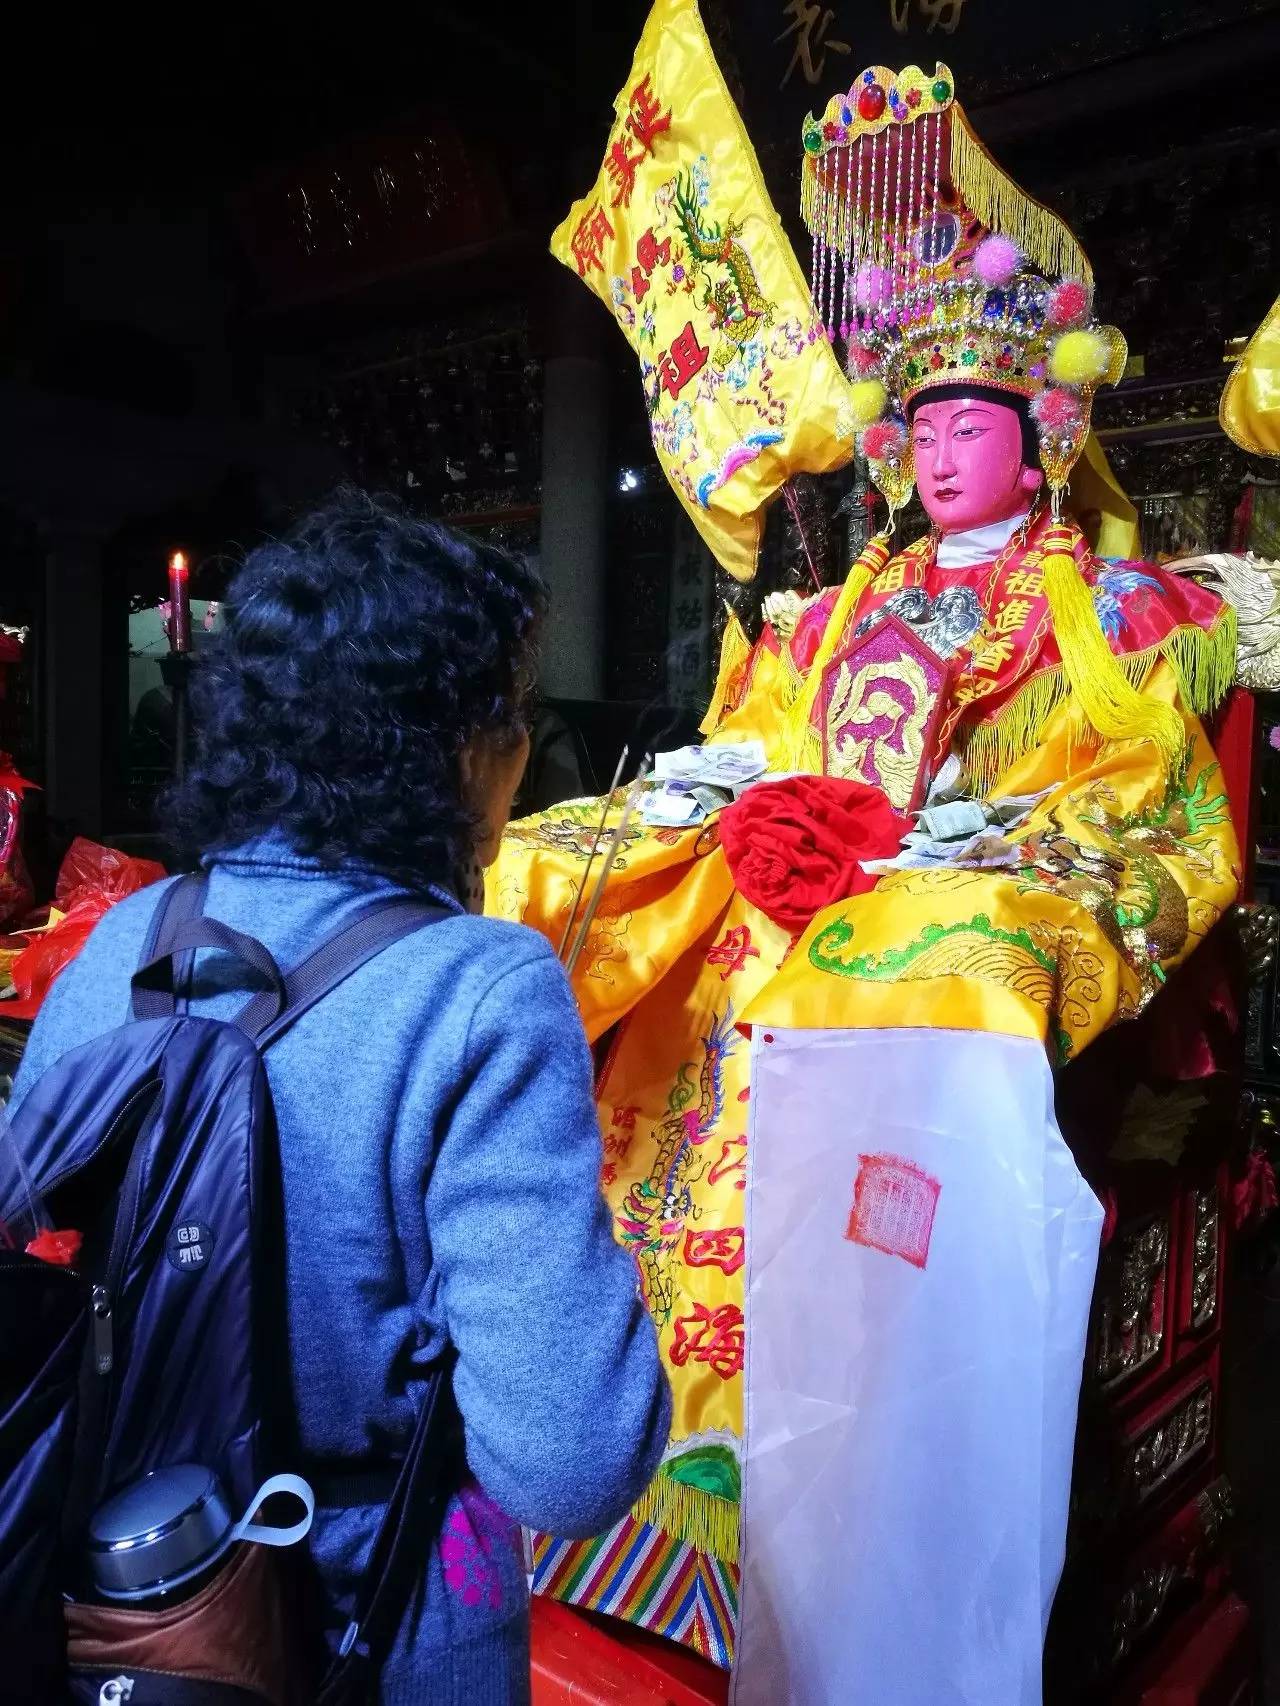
(880, 707)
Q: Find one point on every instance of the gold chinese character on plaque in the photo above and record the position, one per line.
(944, 15)
(809, 25)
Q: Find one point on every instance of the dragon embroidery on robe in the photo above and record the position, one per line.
(571, 828)
(1126, 885)
(654, 1213)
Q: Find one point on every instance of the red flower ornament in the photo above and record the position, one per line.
(796, 845)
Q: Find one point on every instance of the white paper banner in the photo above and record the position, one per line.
(921, 1256)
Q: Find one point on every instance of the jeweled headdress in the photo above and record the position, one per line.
(934, 268)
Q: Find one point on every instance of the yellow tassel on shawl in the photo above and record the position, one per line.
(735, 649)
(1002, 206)
(703, 1519)
(988, 748)
(1105, 697)
(1203, 662)
(799, 742)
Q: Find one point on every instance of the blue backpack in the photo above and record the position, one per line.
(166, 1344)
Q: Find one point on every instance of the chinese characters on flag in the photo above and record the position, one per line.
(644, 120)
(724, 1249)
(682, 362)
(649, 254)
(733, 951)
(594, 230)
(713, 1337)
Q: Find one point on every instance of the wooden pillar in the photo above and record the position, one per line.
(575, 456)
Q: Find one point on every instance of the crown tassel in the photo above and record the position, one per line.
(987, 191)
(990, 193)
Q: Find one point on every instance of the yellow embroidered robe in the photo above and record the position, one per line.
(1121, 869)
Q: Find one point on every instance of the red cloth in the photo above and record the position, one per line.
(1110, 1216)
(1233, 735)
(92, 879)
(1191, 1027)
(9, 777)
(16, 893)
(1253, 1196)
(795, 846)
(811, 627)
(60, 1248)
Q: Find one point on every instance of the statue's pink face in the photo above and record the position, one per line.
(969, 467)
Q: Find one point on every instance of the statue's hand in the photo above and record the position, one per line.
(782, 611)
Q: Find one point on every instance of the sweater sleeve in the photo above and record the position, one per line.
(563, 1399)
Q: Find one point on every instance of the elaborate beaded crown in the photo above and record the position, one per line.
(934, 268)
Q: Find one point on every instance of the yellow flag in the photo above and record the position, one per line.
(1098, 500)
(678, 237)
(1250, 409)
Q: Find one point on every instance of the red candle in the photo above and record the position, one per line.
(179, 604)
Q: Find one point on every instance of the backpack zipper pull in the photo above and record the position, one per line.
(103, 1351)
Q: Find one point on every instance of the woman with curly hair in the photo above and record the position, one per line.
(359, 730)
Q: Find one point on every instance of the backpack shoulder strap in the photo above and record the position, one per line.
(333, 961)
(181, 902)
(410, 1524)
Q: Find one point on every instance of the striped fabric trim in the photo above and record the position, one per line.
(645, 1576)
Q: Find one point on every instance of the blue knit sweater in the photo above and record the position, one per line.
(440, 1155)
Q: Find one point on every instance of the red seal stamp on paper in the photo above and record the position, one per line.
(894, 1203)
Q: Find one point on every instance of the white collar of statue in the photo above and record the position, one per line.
(977, 544)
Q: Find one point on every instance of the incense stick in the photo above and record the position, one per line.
(793, 505)
(595, 845)
(611, 853)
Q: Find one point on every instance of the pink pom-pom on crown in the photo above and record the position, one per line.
(872, 285)
(1068, 304)
(883, 440)
(1057, 411)
(863, 361)
(996, 260)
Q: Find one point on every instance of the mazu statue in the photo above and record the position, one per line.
(990, 827)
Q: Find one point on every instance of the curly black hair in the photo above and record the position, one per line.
(356, 659)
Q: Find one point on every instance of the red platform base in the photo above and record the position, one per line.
(580, 1659)
(1210, 1662)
